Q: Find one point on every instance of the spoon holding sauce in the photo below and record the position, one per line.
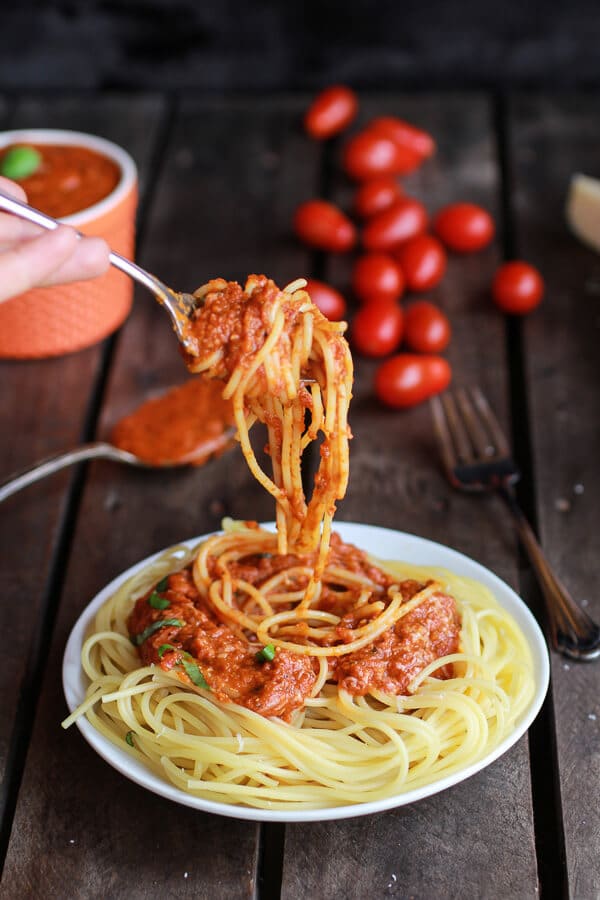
(184, 426)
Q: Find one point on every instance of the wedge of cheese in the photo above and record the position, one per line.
(583, 209)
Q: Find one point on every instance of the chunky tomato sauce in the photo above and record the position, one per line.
(69, 178)
(233, 322)
(188, 423)
(278, 687)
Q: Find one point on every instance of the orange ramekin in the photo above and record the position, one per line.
(61, 319)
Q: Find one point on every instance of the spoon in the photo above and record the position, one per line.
(179, 306)
(103, 450)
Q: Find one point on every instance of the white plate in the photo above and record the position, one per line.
(385, 544)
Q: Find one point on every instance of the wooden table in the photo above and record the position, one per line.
(219, 182)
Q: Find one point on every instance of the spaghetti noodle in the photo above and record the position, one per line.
(288, 669)
(281, 358)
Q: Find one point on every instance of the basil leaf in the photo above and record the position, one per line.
(129, 738)
(194, 674)
(138, 639)
(164, 648)
(162, 584)
(158, 602)
(20, 162)
(267, 654)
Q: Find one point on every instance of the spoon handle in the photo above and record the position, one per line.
(51, 464)
(151, 282)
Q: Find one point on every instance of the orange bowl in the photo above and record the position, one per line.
(61, 319)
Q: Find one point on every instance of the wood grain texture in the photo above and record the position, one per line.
(551, 138)
(477, 839)
(45, 404)
(231, 177)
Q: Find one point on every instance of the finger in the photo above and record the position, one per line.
(13, 228)
(89, 259)
(12, 189)
(31, 263)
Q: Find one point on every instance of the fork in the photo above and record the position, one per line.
(179, 306)
(477, 458)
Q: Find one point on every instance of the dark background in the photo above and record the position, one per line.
(221, 45)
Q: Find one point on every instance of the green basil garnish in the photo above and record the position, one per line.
(129, 739)
(194, 673)
(20, 162)
(158, 602)
(138, 639)
(164, 648)
(267, 654)
(162, 584)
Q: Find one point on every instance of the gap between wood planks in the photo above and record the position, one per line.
(42, 634)
(547, 812)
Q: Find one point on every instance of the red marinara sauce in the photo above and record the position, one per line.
(69, 178)
(278, 687)
(186, 424)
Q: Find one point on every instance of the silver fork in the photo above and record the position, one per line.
(477, 457)
(179, 306)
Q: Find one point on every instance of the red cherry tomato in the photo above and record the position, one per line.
(407, 379)
(390, 228)
(369, 154)
(376, 277)
(330, 112)
(321, 224)
(327, 299)
(374, 196)
(377, 329)
(405, 134)
(517, 288)
(464, 227)
(426, 328)
(423, 262)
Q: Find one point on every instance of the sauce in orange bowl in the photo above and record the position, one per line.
(68, 178)
(91, 184)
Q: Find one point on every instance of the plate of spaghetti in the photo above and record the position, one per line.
(292, 671)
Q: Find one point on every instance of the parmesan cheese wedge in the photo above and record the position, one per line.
(583, 209)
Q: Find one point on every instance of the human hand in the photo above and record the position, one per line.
(32, 257)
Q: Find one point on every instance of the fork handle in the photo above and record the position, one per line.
(574, 633)
(24, 211)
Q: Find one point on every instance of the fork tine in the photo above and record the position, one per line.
(481, 442)
(460, 437)
(491, 422)
(443, 435)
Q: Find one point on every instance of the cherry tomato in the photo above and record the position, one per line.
(377, 329)
(408, 378)
(390, 228)
(330, 112)
(517, 288)
(426, 328)
(423, 262)
(376, 277)
(464, 227)
(374, 196)
(321, 224)
(327, 299)
(369, 154)
(405, 134)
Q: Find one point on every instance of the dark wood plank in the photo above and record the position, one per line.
(232, 176)
(477, 839)
(45, 404)
(553, 137)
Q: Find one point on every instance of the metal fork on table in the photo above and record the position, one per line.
(477, 457)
